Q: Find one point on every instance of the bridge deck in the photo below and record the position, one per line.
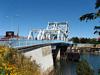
(28, 43)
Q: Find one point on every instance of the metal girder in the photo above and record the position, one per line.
(54, 30)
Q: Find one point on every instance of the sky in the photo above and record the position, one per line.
(35, 14)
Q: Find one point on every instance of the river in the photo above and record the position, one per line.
(69, 68)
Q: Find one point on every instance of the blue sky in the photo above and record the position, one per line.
(30, 14)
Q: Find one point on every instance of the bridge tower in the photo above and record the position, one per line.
(54, 31)
(59, 30)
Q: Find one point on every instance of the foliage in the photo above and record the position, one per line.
(92, 15)
(75, 39)
(15, 63)
(83, 68)
(83, 40)
(97, 30)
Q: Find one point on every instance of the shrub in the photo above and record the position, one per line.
(83, 68)
(13, 62)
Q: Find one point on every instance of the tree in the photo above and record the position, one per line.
(97, 30)
(92, 15)
(75, 40)
(83, 40)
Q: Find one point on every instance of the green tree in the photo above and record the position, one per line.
(83, 40)
(75, 40)
(97, 30)
(83, 68)
(92, 15)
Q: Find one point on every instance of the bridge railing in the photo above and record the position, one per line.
(23, 43)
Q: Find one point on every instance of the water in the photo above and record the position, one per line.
(94, 61)
(69, 68)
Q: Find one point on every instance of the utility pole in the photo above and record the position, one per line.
(18, 31)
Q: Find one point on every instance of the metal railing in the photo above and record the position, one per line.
(23, 43)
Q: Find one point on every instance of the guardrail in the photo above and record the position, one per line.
(22, 43)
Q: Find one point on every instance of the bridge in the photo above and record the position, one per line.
(54, 31)
(43, 45)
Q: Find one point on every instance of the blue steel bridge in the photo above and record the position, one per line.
(44, 45)
(55, 32)
(50, 40)
(54, 35)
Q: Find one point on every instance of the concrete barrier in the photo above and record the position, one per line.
(43, 57)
